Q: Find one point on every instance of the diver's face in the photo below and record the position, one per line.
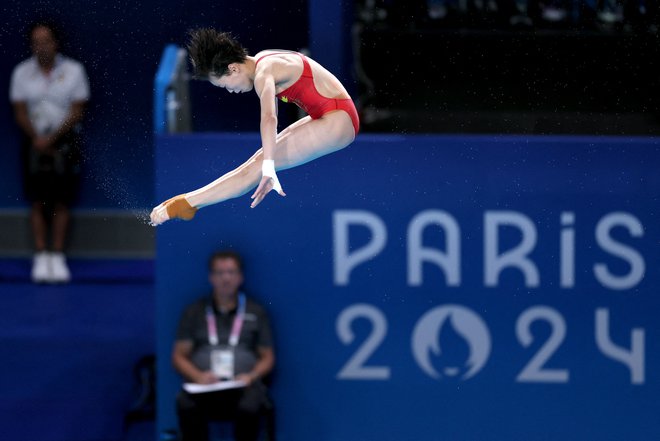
(236, 81)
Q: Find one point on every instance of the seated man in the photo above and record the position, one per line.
(224, 336)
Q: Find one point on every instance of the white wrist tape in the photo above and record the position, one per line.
(268, 169)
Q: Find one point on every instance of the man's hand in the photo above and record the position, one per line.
(176, 207)
(43, 144)
(206, 377)
(246, 378)
(267, 184)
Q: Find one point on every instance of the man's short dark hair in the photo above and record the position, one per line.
(211, 52)
(226, 254)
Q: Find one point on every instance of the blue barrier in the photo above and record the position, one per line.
(438, 287)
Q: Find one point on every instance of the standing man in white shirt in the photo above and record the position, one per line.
(49, 92)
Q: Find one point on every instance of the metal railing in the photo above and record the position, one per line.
(171, 92)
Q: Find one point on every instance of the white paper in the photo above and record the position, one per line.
(194, 388)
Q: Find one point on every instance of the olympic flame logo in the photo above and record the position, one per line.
(466, 324)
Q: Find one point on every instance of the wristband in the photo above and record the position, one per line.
(268, 168)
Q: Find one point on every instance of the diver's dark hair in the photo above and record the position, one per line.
(211, 52)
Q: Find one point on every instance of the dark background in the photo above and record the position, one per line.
(473, 72)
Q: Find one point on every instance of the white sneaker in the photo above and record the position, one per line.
(41, 267)
(59, 270)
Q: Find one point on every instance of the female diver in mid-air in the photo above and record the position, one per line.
(332, 122)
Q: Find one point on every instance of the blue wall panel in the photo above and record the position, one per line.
(438, 287)
(68, 355)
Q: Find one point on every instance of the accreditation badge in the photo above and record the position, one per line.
(222, 363)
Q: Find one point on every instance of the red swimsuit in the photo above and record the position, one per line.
(304, 94)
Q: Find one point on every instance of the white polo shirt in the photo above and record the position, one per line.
(49, 96)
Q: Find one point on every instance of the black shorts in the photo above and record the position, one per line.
(52, 178)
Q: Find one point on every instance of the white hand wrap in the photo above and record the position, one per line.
(268, 169)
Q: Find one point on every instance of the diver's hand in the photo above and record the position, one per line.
(176, 207)
(267, 184)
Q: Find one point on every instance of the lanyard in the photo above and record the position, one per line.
(235, 328)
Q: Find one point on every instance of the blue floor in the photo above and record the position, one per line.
(67, 351)
(116, 271)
